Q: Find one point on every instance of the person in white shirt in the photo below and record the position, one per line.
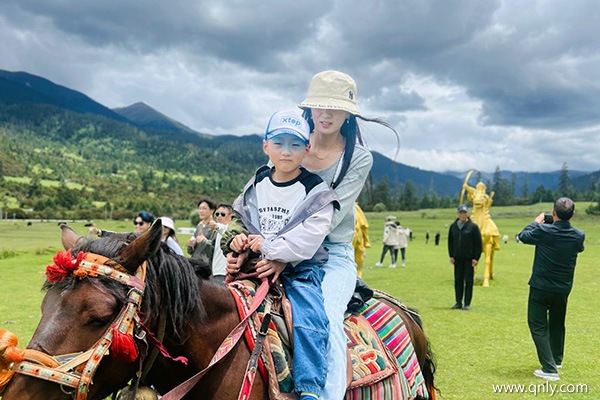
(223, 218)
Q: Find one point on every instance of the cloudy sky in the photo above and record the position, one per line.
(467, 84)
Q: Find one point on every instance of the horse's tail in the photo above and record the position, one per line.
(428, 370)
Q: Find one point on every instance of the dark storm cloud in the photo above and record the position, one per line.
(467, 84)
(248, 33)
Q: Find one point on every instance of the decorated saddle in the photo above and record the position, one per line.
(383, 360)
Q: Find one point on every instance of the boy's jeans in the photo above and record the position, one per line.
(338, 287)
(302, 285)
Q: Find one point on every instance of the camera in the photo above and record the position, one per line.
(548, 219)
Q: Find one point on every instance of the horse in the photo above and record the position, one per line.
(83, 316)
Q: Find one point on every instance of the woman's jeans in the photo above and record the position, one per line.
(338, 286)
(302, 285)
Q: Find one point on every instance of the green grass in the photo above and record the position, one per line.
(488, 345)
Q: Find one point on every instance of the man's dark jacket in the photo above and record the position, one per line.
(465, 243)
(556, 249)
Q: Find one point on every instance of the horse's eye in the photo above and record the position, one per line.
(97, 322)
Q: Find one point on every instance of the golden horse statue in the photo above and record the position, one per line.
(490, 236)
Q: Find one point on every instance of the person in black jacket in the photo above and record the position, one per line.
(464, 248)
(556, 247)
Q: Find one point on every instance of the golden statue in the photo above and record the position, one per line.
(490, 236)
(360, 242)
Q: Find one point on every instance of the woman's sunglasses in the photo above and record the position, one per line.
(140, 223)
(220, 214)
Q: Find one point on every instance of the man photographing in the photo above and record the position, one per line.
(556, 247)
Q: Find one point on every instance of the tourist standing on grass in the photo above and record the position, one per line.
(169, 236)
(437, 238)
(223, 218)
(402, 233)
(390, 241)
(201, 245)
(464, 248)
(141, 223)
(557, 245)
(338, 155)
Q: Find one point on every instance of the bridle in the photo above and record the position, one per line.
(76, 370)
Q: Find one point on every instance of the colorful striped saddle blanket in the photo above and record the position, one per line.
(384, 363)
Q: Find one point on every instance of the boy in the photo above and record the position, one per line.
(287, 211)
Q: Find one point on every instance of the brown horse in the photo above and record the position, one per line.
(199, 313)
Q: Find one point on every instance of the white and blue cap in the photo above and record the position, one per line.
(289, 122)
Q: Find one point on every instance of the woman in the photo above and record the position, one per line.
(338, 155)
(168, 235)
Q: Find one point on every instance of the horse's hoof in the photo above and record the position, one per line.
(485, 283)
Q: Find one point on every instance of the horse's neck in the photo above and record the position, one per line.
(203, 339)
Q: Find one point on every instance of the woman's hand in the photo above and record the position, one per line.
(266, 268)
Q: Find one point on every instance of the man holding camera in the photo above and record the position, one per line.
(556, 247)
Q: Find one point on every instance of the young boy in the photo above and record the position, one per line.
(286, 213)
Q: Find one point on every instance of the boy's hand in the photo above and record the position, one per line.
(235, 262)
(268, 267)
(255, 243)
(239, 244)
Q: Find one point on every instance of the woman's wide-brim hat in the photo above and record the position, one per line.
(331, 90)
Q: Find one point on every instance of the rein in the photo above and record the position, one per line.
(77, 370)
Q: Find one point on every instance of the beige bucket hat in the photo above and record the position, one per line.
(167, 223)
(331, 90)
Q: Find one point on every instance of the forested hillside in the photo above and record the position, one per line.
(98, 162)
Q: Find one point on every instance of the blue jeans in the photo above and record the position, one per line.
(302, 285)
(338, 286)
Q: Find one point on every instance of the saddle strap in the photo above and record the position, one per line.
(258, 344)
(228, 343)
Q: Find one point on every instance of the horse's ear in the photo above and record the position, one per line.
(69, 237)
(142, 248)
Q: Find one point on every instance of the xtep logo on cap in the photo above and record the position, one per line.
(291, 121)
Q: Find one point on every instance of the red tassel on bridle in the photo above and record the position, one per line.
(123, 347)
(64, 264)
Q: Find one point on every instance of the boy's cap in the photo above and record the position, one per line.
(331, 90)
(462, 207)
(289, 122)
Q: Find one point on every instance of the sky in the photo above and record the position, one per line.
(466, 84)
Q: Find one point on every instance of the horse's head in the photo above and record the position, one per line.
(479, 196)
(79, 311)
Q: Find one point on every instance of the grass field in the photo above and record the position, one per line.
(489, 345)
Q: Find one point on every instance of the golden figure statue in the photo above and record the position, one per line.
(490, 236)
(360, 241)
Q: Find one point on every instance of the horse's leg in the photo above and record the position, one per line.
(492, 263)
(486, 271)
(421, 346)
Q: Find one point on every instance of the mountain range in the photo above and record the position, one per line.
(21, 88)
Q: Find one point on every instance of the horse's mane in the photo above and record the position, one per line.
(172, 285)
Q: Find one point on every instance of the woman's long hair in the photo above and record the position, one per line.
(351, 132)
